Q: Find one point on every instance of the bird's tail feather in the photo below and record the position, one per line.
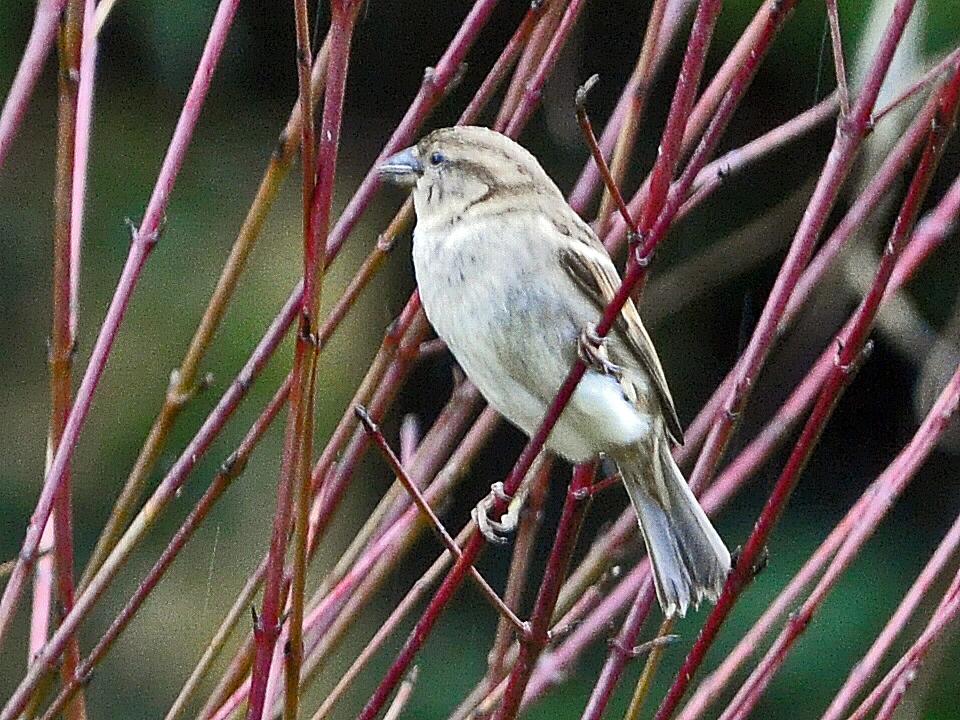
(688, 558)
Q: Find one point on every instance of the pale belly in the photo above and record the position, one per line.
(515, 338)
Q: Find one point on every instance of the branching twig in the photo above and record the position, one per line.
(144, 240)
(421, 502)
(228, 472)
(852, 343)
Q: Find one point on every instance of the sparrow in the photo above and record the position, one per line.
(512, 279)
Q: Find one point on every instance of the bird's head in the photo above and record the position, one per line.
(456, 168)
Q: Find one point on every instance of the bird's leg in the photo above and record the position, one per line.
(496, 531)
(593, 351)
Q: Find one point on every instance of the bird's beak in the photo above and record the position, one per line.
(402, 169)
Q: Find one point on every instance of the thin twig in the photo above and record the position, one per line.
(476, 438)
(839, 162)
(62, 334)
(298, 445)
(892, 484)
(186, 381)
(523, 547)
(229, 471)
(929, 235)
(853, 343)
(421, 502)
(568, 530)
(898, 679)
(42, 35)
(928, 78)
(839, 65)
(583, 119)
(642, 78)
(144, 240)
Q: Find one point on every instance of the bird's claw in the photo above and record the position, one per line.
(592, 349)
(496, 531)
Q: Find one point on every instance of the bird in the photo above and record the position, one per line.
(512, 279)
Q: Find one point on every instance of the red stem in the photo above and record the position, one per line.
(852, 343)
(34, 57)
(698, 42)
(431, 91)
(568, 529)
(895, 683)
(850, 134)
(534, 88)
(228, 472)
(144, 240)
(297, 446)
(891, 485)
(929, 235)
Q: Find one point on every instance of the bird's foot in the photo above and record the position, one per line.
(593, 351)
(496, 531)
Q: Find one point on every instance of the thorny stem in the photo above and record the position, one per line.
(546, 16)
(241, 605)
(501, 67)
(668, 154)
(618, 648)
(866, 203)
(436, 81)
(404, 692)
(81, 155)
(144, 240)
(718, 171)
(705, 110)
(383, 380)
(589, 179)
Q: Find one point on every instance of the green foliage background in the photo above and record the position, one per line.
(148, 53)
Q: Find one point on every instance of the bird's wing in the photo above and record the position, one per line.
(589, 265)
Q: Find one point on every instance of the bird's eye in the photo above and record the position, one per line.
(436, 158)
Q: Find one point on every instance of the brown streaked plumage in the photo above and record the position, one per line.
(512, 279)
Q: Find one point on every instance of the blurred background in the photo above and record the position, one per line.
(148, 53)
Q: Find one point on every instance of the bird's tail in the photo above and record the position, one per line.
(688, 558)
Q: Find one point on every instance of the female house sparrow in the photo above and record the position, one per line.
(511, 279)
